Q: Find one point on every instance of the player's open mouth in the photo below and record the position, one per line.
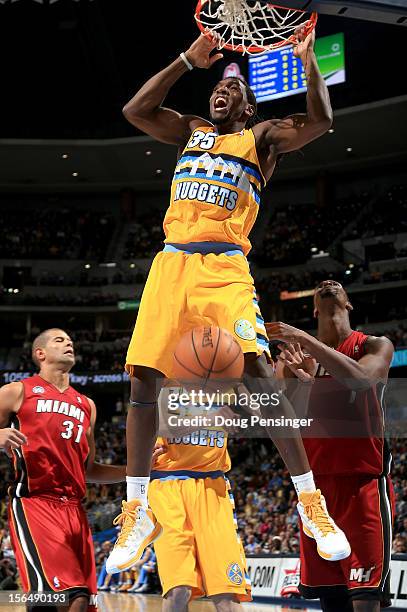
(220, 103)
(69, 352)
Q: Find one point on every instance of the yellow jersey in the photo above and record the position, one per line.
(215, 192)
(199, 454)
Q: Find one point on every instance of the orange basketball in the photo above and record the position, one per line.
(208, 353)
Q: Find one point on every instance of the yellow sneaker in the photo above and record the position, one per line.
(332, 543)
(139, 528)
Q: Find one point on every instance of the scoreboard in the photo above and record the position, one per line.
(278, 73)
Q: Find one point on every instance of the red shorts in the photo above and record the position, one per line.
(53, 546)
(363, 508)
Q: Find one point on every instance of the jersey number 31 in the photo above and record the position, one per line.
(70, 431)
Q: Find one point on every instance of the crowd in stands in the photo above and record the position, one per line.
(54, 233)
(397, 335)
(85, 278)
(295, 229)
(145, 237)
(272, 283)
(91, 298)
(105, 351)
(294, 232)
(386, 276)
(264, 497)
(387, 216)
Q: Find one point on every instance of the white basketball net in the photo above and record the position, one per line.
(244, 25)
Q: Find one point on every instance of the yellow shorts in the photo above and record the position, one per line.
(199, 546)
(186, 290)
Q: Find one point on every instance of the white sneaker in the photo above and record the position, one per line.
(139, 528)
(332, 543)
(143, 589)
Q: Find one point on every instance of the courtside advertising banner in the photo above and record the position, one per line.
(279, 577)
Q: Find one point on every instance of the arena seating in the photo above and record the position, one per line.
(387, 216)
(54, 233)
(265, 498)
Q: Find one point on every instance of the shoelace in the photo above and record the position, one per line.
(126, 519)
(316, 513)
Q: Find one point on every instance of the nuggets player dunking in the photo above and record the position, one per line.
(202, 276)
(348, 455)
(52, 445)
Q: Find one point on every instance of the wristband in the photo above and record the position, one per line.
(186, 62)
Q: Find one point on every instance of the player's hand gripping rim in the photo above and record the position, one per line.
(199, 53)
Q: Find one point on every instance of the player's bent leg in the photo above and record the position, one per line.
(142, 422)
(366, 605)
(226, 602)
(332, 543)
(176, 600)
(259, 378)
(139, 527)
(339, 603)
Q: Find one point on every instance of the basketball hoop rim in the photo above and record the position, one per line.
(312, 21)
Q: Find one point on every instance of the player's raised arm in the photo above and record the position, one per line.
(295, 131)
(372, 368)
(145, 109)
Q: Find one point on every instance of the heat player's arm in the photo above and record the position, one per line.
(11, 397)
(99, 472)
(372, 368)
(297, 392)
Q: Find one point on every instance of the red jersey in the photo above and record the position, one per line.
(53, 460)
(348, 425)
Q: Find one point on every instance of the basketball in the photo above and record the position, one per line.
(208, 353)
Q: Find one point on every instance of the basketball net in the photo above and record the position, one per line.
(251, 26)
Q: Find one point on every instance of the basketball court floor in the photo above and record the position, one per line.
(117, 602)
